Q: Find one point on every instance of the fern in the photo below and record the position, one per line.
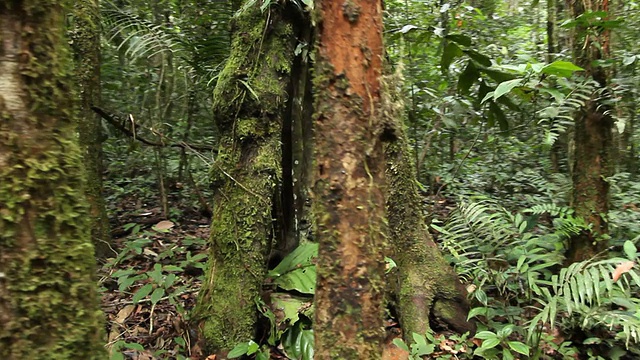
(557, 118)
(138, 36)
(586, 289)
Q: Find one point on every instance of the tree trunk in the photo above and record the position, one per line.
(86, 48)
(426, 286)
(349, 176)
(48, 297)
(250, 102)
(593, 139)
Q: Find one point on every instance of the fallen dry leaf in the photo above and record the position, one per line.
(164, 225)
(621, 269)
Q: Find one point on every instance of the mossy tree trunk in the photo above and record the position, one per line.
(426, 287)
(85, 36)
(250, 102)
(349, 178)
(48, 297)
(593, 161)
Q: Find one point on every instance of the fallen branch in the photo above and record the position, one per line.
(119, 124)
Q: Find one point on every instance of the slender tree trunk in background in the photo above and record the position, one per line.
(250, 101)
(593, 139)
(426, 286)
(85, 38)
(349, 171)
(551, 27)
(48, 297)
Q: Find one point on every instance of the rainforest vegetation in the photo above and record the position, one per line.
(300, 179)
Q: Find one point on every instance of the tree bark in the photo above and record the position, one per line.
(426, 286)
(349, 177)
(48, 297)
(593, 161)
(250, 102)
(85, 37)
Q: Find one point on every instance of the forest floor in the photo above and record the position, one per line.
(151, 281)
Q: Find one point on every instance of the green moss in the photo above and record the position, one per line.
(249, 102)
(49, 300)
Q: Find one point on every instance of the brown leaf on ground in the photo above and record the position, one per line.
(621, 269)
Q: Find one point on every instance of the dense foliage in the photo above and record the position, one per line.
(490, 94)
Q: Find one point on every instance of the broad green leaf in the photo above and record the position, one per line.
(505, 87)
(483, 335)
(400, 344)
(479, 58)
(463, 40)
(157, 294)
(239, 350)
(519, 347)
(424, 349)
(630, 250)
(302, 280)
(300, 257)
(561, 68)
(477, 311)
(451, 51)
(289, 306)
(419, 339)
(499, 116)
(142, 293)
(498, 76)
(490, 343)
(297, 343)
(469, 75)
(134, 346)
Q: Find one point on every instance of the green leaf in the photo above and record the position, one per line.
(252, 348)
(172, 268)
(477, 311)
(419, 339)
(302, 280)
(238, 351)
(400, 344)
(134, 346)
(451, 51)
(519, 347)
(498, 76)
(469, 75)
(463, 40)
(483, 335)
(630, 250)
(142, 293)
(499, 115)
(561, 68)
(479, 58)
(157, 294)
(505, 87)
(302, 256)
(297, 342)
(290, 307)
(490, 343)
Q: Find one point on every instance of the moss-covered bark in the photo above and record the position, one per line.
(249, 103)
(594, 160)
(427, 287)
(85, 36)
(48, 297)
(349, 178)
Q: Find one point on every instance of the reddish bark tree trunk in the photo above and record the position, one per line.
(349, 170)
